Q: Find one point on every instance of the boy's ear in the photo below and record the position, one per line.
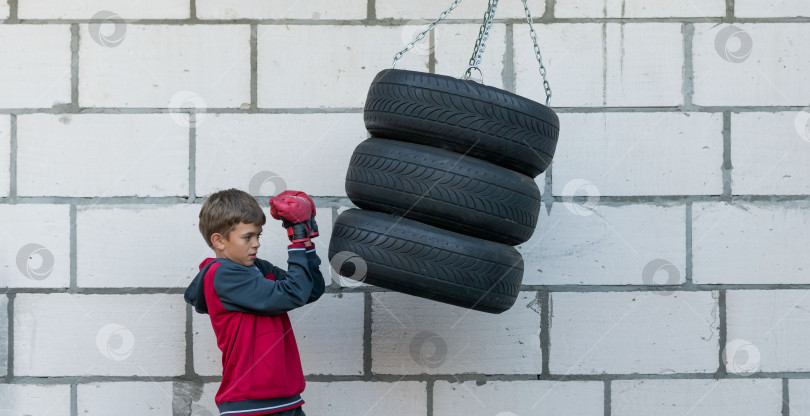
(216, 241)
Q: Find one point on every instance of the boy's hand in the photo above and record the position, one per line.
(295, 213)
(313, 226)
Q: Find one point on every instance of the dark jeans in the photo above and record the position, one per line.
(298, 411)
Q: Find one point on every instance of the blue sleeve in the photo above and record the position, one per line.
(313, 263)
(244, 290)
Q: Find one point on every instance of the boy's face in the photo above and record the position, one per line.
(241, 245)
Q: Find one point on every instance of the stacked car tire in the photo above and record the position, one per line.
(445, 186)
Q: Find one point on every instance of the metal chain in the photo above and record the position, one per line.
(537, 52)
(480, 43)
(422, 34)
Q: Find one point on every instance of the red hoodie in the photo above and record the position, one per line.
(261, 368)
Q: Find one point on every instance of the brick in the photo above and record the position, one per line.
(429, 10)
(88, 9)
(778, 8)
(750, 243)
(611, 247)
(639, 8)
(413, 335)
(149, 232)
(5, 161)
(365, 398)
(598, 333)
(35, 400)
(506, 398)
(454, 45)
(329, 334)
(40, 75)
(758, 64)
(765, 324)
(235, 149)
(279, 9)
(4, 10)
(696, 397)
(572, 55)
(205, 405)
(313, 66)
(770, 153)
(799, 393)
(157, 66)
(37, 245)
(3, 335)
(125, 398)
(644, 64)
(623, 153)
(108, 335)
(101, 155)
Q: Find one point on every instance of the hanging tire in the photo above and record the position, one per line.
(418, 259)
(462, 116)
(444, 189)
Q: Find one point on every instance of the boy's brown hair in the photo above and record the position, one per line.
(223, 210)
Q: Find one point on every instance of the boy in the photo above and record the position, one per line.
(247, 299)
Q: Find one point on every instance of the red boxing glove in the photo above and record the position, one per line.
(295, 213)
(313, 226)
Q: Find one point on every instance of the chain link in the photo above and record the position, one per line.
(537, 52)
(422, 34)
(480, 43)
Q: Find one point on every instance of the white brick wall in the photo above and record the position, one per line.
(674, 217)
(596, 333)
(774, 72)
(639, 8)
(640, 153)
(150, 157)
(767, 325)
(412, 335)
(580, 398)
(125, 398)
(697, 397)
(148, 9)
(111, 335)
(612, 246)
(35, 399)
(36, 245)
(279, 9)
(155, 65)
(233, 149)
(750, 243)
(35, 80)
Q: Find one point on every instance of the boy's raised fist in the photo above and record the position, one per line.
(313, 226)
(295, 213)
